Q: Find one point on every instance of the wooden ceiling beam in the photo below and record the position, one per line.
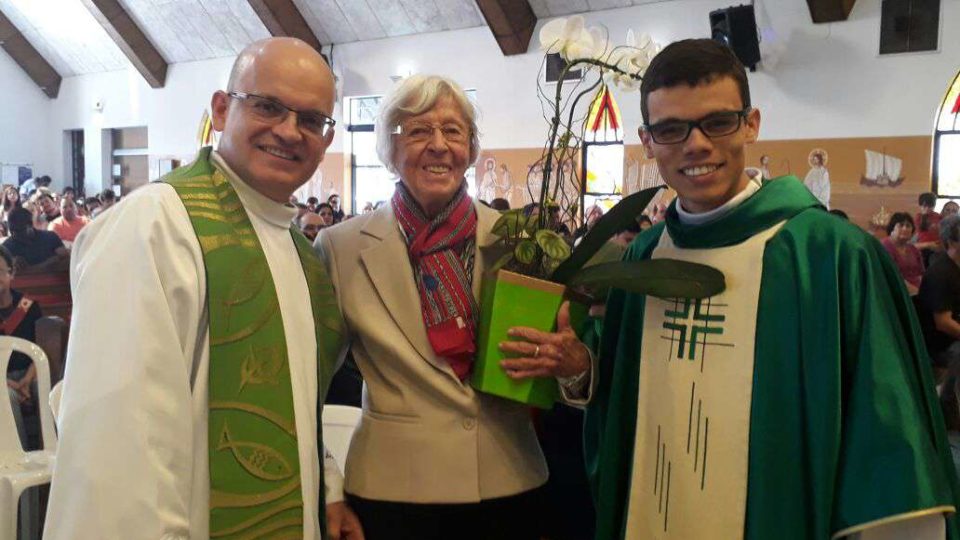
(283, 19)
(28, 58)
(121, 27)
(823, 11)
(512, 23)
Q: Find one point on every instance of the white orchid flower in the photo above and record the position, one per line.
(633, 58)
(567, 37)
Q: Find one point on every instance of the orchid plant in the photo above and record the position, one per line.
(528, 241)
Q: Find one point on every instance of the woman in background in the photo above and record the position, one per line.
(907, 257)
(928, 227)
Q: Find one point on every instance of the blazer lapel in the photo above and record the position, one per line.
(388, 265)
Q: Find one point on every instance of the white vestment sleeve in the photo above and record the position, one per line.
(125, 459)
(930, 527)
(332, 478)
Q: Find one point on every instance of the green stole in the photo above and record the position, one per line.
(845, 427)
(255, 488)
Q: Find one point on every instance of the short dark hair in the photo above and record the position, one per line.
(312, 200)
(44, 181)
(7, 257)
(692, 62)
(107, 195)
(927, 199)
(332, 195)
(324, 205)
(898, 218)
(839, 213)
(20, 220)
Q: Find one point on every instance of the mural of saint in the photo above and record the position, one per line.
(818, 178)
(487, 188)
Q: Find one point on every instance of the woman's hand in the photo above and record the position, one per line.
(546, 354)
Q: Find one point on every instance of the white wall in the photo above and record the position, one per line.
(826, 81)
(25, 135)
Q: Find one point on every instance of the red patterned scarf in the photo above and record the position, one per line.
(441, 251)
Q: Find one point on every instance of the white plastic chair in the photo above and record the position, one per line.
(339, 423)
(19, 469)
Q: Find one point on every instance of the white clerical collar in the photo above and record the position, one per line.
(690, 218)
(267, 209)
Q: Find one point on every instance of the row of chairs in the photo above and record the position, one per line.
(21, 470)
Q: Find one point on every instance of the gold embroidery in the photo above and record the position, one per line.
(244, 525)
(250, 329)
(214, 242)
(274, 527)
(259, 460)
(946, 509)
(270, 416)
(222, 499)
(262, 366)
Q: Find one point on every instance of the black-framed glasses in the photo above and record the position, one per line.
(270, 110)
(713, 125)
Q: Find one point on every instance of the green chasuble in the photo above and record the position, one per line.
(845, 430)
(255, 487)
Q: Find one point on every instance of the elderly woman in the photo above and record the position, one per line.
(432, 458)
(906, 256)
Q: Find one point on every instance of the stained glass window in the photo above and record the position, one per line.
(946, 143)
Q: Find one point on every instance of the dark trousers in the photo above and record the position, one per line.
(508, 518)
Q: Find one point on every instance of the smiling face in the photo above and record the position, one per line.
(275, 158)
(433, 169)
(704, 172)
(902, 232)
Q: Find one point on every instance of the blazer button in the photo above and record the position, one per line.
(469, 423)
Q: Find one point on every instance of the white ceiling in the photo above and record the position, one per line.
(68, 36)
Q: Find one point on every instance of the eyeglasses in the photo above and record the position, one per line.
(713, 125)
(272, 111)
(420, 132)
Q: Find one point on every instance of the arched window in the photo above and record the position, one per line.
(946, 143)
(603, 153)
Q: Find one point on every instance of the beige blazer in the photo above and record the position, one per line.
(425, 437)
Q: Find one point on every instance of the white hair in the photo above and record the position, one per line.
(416, 95)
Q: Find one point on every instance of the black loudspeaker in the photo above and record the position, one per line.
(736, 28)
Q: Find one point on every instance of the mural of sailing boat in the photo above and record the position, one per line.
(882, 170)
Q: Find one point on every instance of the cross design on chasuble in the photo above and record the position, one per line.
(691, 329)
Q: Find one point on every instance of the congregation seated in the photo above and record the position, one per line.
(19, 316)
(31, 247)
(904, 254)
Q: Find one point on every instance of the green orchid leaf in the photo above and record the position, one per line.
(663, 278)
(509, 223)
(552, 244)
(525, 252)
(614, 221)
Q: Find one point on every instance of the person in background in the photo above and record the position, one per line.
(11, 200)
(645, 222)
(70, 222)
(938, 302)
(28, 188)
(44, 208)
(91, 207)
(18, 318)
(927, 222)
(905, 255)
(33, 248)
(310, 224)
(326, 213)
(312, 203)
(765, 167)
(949, 209)
(107, 199)
(334, 201)
(68, 191)
(593, 214)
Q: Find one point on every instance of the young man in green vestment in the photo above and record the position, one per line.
(204, 335)
(798, 403)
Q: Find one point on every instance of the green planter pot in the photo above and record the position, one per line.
(507, 300)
